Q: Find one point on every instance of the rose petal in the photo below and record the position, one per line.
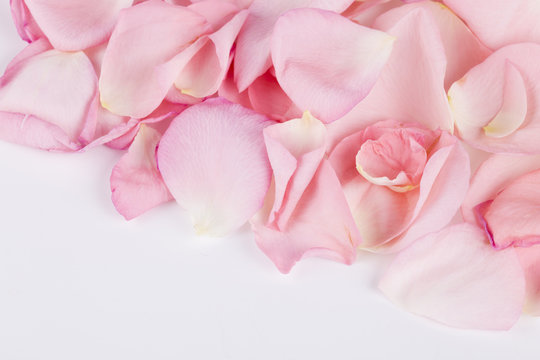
(455, 277)
(72, 25)
(312, 52)
(213, 161)
(530, 261)
(144, 33)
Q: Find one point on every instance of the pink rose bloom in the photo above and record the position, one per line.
(401, 181)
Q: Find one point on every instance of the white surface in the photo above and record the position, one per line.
(77, 282)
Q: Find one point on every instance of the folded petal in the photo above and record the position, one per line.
(136, 184)
(494, 103)
(145, 32)
(253, 46)
(207, 60)
(326, 63)
(455, 277)
(493, 175)
(405, 91)
(321, 226)
(47, 99)
(76, 24)
(512, 217)
(500, 22)
(213, 160)
(27, 27)
(463, 50)
(295, 149)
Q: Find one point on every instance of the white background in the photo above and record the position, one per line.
(78, 282)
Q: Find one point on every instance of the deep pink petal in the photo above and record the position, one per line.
(326, 63)
(213, 161)
(455, 277)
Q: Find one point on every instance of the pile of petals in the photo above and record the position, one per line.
(331, 127)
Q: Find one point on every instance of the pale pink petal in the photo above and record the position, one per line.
(253, 46)
(207, 60)
(494, 103)
(496, 173)
(366, 12)
(229, 91)
(530, 261)
(47, 99)
(326, 63)
(455, 277)
(463, 50)
(295, 149)
(27, 28)
(216, 12)
(267, 97)
(213, 161)
(405, 91)
(76, 24)
(136, 184)
(154, 33)
(500, 22)
(321, 226)
(512, 217)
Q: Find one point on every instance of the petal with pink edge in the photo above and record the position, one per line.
(500, 22)
(253, 46)
(76, 24)
(455, 277)
(144, 33)
(213, 160)
(321, 226)
(326, 63)
(47, 99)
(512, 217)
(26, 26)
(494, 174)
(136, 184)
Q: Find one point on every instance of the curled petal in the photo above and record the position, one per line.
(455, 277)
(213, 160)
(76, 24)
(321, 225)
(27, 27)
(326, 63)
(144, 33)
(136, 184)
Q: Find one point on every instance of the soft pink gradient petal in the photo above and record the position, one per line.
(295, 149)
(512, 217)
(72, 25)
(366, 12)
(47, 98)
(136, 184)
(463, 50)
(530, 261)
(326, 63)
(213, 161)
(253, 46)
(493, 175)
(206, 61)
(500, 22)
(321, 225)
(136, 88)
(494, 103)
(405, 91)
(455, 277)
